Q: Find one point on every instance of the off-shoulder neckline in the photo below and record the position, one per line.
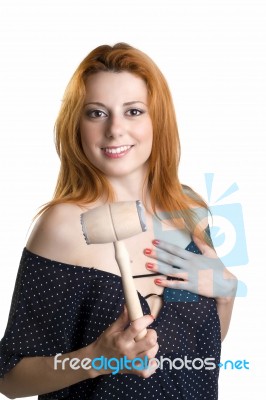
(94, 270)
(69, 266)
(79, 267)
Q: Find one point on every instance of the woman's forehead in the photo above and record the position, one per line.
(124, 85)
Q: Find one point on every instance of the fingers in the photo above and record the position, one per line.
(146, 347)
(176, 284)
(167, 270)
(162, 269)
(136, 327)
(147, 352)
(174, 255)
(166, 257)
(150, 355)
(118, 341)
(150, 345)
(172, 249)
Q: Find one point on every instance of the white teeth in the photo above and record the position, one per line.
(118, 150)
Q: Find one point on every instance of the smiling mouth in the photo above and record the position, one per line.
(116, 152)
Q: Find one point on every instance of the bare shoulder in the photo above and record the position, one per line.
(56, 232)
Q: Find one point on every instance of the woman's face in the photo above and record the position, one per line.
(116, 128)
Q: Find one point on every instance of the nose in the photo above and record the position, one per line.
(115, 127)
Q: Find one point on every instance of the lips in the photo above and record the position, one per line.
(116, 151)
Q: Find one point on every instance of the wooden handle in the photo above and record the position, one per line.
(130, 292)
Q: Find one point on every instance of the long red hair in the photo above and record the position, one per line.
(79, 181)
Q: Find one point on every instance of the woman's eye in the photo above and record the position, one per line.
(95, 114)
(134, 112)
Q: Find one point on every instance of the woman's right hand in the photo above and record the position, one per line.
(118, 341)
(38, 375)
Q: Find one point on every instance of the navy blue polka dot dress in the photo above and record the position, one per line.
(58, 308)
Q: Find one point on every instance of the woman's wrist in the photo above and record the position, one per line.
(78, 362)
(85, 356)
(229, 288)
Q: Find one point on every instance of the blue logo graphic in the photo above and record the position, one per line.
(230, 364)
(227, 231)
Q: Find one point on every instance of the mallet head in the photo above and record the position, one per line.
(113, 222)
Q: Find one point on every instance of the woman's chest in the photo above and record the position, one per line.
(102, 257)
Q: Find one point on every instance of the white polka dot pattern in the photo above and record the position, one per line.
(58, 308)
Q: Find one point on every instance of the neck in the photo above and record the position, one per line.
(126, 192)
(130, 188)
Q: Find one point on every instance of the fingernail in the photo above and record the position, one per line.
(152, 316)
(147, 251)
(149, 266)
(156, 242)
(158, 281)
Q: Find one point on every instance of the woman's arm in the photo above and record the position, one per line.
(225, 304)
(224, 309)
(55, 235)
(225, 286)
(39, 375)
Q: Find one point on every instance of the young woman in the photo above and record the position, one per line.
(117, 140)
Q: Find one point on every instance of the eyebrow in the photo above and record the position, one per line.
(128, 103)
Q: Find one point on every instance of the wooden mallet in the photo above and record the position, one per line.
(111, 223)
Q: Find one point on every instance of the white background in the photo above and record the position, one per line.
(213, 56)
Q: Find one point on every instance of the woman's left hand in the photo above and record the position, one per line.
(203, 274)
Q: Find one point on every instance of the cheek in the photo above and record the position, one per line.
(145, 132)
(149, 134)
(83, 134)
(88, 136)
(83, 139)
(87, 145)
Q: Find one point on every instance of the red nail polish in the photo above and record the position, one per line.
(149, 266)
(156, 242)
(147, 251)
(158, 281)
